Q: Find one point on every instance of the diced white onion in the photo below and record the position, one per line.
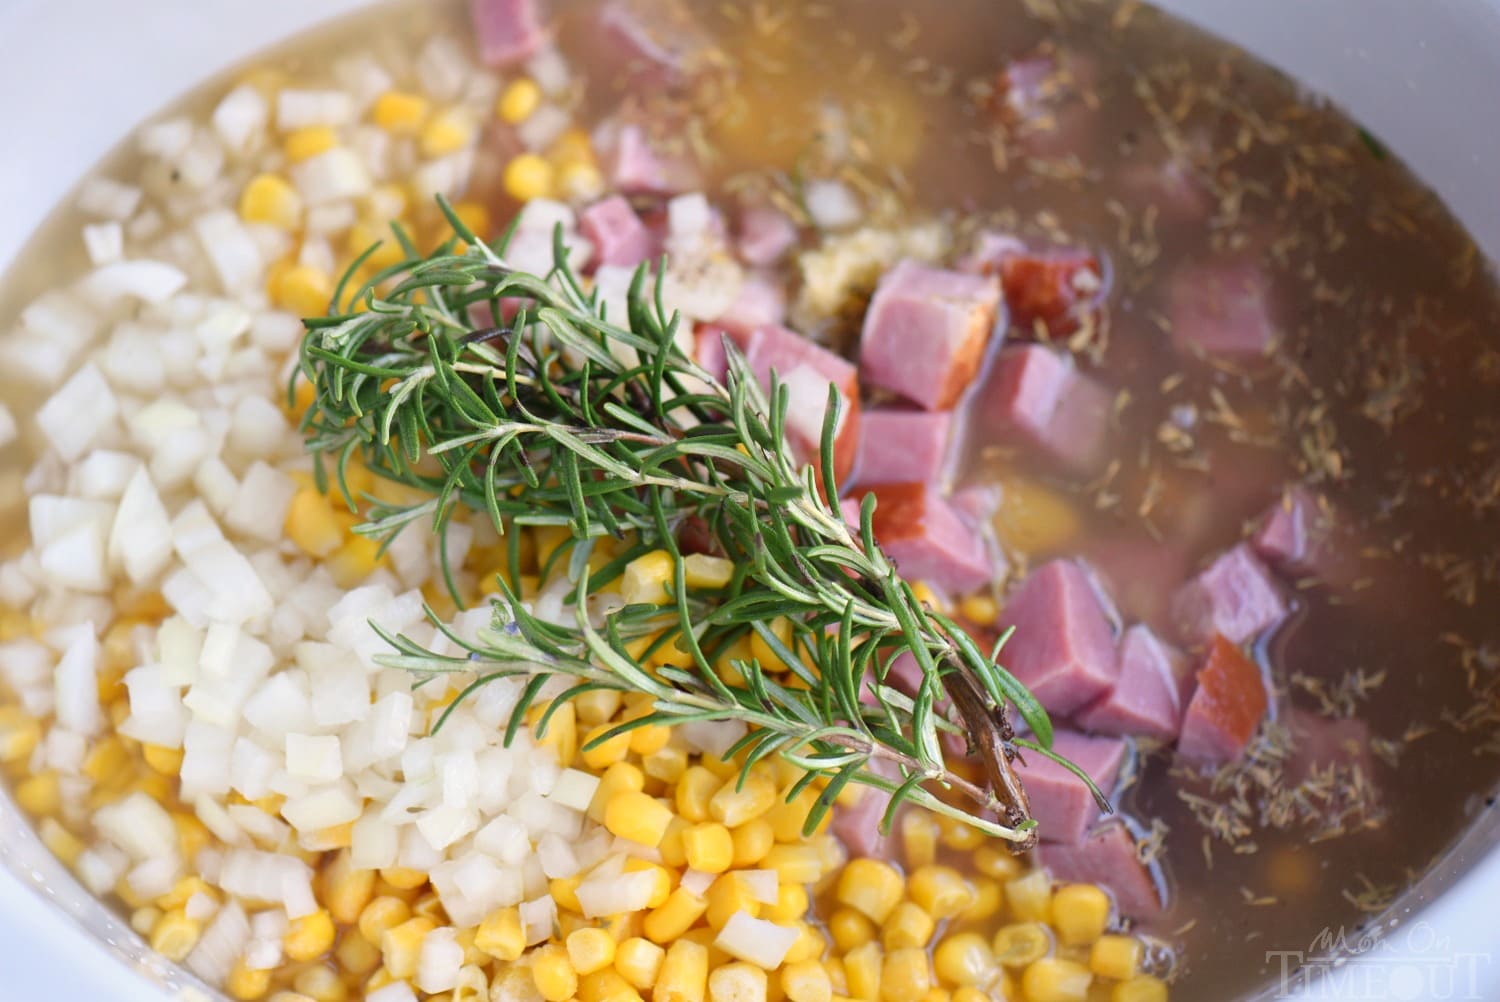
(756, 941)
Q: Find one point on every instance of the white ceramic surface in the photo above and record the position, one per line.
(76, 75)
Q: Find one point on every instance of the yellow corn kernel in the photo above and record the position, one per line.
(958, 835)
(684, 973)
(519, 99)
(709, 847)
(346, 890)
(905, 975)
(501, 935)
(752, 840)
(850, 929)
(649, 739)
(791, 904)
(647, 578)
(870, 887)
(39, 795)
(734, 804)
(321, 984)
(597, 707)
(631, 814)
(60, 842)
(403, 878)
(183, 890)
(309, 937)
(1022, 943)
(1030, 897)
(924, 593)
(704, 571)
(606, 986)
(377, 981)
(982, 610)
(862, 969)
(1002, 864)
(639, 962)
(810, 944)
(989, 898)
(304, 144)
(672, 852)
(737, 982)
(246, 984)
(355, 561)
(1034, 518)
(806, 981)
(401, 945)
(1141, 988)
(1053, 980)
(382, 913)
(603, 754)
(835, 968)
(143, 920)
(1002, 990)
(919, 838)
(526, 177)
(787, 819)
(20, 733)
(694, 791)
(167, 761)
(590, 950)
(106, 761)
(271, 199)
(303, 290)
(175, 935)
(562, 735)
(909, 926)
(727, 895)
(564, 891)
(936, 994)
(675, 917)
(553, 973)
(940, 890)
(796, 864)
(400, 112)
(356, 955)
(964, 959)
(448, 132)
(761, 650)
(579, 181)
(1116, 957)
(476, 216)
(1080, 913)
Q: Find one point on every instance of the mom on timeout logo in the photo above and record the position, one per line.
(1414, 965)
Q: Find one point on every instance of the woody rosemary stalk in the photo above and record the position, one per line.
(563, 416)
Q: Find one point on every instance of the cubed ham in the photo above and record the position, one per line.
(761, 302)
(1035, 398)
(1062, 648)
(765, 236)
(619, 236)
(1222, 309)
(1226, 708)
(807, 370)
(507, 31)
(1142, 574)
(902, 446)
(1051, 291)
(657, 43)
(1319, 743)
(926, 331)
(1060, 801)
(1235, 597)
(635, 167)
(858, 825)
(929, 540)
(990, 250)
(1040, 99)
(1149, 696)
(1172, 187)
(1109, 857)
(708, 350)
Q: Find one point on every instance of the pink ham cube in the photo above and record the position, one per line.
(1235, 597)
(657, 43)
(507, 31)
(1062, 648)
(807, 370)
(761, 302)
(929, 540)
(926, 331)
(1222, 309)
(1039, 100)
(902, 446)
(765, 236)
(858, 825)
(708, 350)
(1108, 857)
(1035, 398)
(1226, 709)
(1142, 574)
(1060, 801)
(617, 233)
(635, 167)
(1320, 743)
(1149, 696)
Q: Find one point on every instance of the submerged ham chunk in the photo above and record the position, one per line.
(926, 331)
(1320, 742)
(1222, 309)
(1235, 597)
(617, 233)
(761, 302)
(1039, 98)
(1051, 291)
(1171, 187)
(1142, 574)
(1226, 708)
(1034, 397)
(1060, 801)
(902, 446)
(765, 236)
(708, 350)
(929, 539)
(858, 825)
(635, 167)
(507, 31)
(1062, 648)
(1149, 696)
(807, 371)
(1108, 857)
(659, 43)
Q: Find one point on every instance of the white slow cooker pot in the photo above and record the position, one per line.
(77, 75)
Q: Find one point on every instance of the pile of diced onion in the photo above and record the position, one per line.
(189, 701)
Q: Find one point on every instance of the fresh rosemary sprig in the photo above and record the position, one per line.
(566, 417)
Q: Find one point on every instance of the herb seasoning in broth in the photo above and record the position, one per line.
(1139, 351)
